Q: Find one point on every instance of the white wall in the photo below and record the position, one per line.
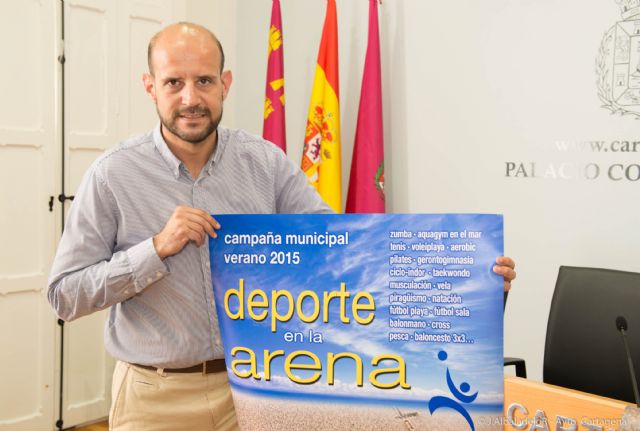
(468, 87)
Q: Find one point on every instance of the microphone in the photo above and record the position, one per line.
(630, 420)
(621, 325)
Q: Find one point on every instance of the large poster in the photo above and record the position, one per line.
(361, 322)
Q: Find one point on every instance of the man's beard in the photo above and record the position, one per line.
(195, 136)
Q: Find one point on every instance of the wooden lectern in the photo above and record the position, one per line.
(537, 406)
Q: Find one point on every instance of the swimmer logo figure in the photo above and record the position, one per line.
(438, 402)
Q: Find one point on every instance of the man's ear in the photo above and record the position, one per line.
(227, 79)
(149, 85)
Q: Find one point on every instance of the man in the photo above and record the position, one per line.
(135, 234)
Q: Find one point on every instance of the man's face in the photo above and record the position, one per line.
(187, 85)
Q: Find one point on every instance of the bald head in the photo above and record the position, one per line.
(174, 33)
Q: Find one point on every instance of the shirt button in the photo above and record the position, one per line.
(149, 280)
(158, 274)
(207, 264)
(126, 292)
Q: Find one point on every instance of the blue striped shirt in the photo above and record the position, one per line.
(163, 311)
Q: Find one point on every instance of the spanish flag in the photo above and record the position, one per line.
(321, 153)
(273, 128)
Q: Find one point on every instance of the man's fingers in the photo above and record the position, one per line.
(505, 266)
(185, 224)
(506, 261)
(507, 272)
(199, 223)
(200, 217)
(196, 232)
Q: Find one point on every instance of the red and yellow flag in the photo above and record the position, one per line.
(273, 128)
(321, 154)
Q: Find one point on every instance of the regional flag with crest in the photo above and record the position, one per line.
(321, 153)
(366, 183)
(273, 128)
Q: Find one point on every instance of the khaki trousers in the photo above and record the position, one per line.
(145, 400)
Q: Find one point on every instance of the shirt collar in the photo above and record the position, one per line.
(170, 159)
(174, 163)
(223, 138)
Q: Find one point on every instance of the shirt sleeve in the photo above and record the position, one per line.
(294, 194)
(87, 275)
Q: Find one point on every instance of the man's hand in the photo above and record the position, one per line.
(505, 266)
(185, 224)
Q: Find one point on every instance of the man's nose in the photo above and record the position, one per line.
(189, 95)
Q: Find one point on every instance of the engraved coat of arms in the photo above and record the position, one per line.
(618, 63)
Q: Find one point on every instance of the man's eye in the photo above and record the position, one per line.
(204, 81)
(173, 82)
